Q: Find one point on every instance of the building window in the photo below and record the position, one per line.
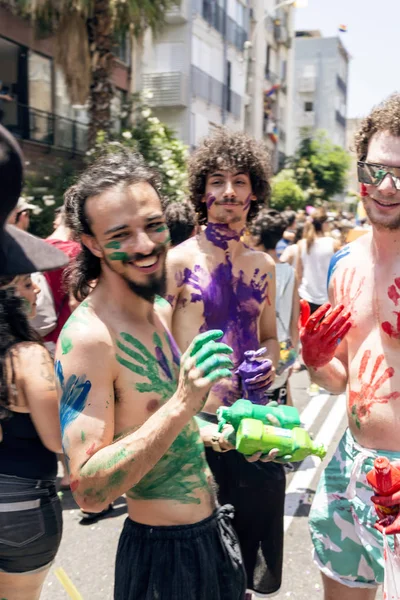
(283, 70)
(308, 106)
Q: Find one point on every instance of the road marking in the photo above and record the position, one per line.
(297, 489)
(315, 405)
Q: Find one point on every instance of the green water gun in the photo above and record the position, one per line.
(294, 445)
(288, 416)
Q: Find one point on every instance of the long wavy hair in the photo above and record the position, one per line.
(14, 329)
(311, 229)
(108, 171)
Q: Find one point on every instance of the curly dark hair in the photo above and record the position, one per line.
(110, 170)
(384, 117)
(268, 227)
(230, 150)
(181, 220)
(14, 329)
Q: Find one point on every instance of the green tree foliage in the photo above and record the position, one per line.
(286, 192)
(320, 167)
(156, 142)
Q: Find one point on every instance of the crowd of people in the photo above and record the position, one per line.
(122, 334)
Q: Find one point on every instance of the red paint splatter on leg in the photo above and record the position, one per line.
(362, 401)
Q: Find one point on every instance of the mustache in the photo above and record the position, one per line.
(155, 254)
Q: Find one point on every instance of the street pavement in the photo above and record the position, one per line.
(87, 552)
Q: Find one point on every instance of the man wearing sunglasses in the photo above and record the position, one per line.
(364, 280)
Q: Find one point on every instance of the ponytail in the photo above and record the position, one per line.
(314, 227)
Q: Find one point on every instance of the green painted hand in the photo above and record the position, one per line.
(204, 363)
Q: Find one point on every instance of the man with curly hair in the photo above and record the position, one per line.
(364, 279)
(215, 280)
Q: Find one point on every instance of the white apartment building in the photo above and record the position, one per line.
(195, 67)
(269, 75)
(320, 87)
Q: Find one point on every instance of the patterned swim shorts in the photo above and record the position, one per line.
(346, 546)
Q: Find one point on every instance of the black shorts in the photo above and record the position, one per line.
(30, 523)
(185, 562)
(278, 395)
(257, 493)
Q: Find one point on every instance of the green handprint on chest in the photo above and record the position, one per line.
(160, 372)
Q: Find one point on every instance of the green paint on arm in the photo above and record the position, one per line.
(83, 436)
(78, 317)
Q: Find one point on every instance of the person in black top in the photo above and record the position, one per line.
(30, 511)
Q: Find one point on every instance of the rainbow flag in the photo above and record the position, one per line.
(343, 28)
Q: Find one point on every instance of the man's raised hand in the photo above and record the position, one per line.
(322, 332)
(203, 364)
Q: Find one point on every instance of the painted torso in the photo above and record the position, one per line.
(178, 489)
(371, 291)
(221, 285)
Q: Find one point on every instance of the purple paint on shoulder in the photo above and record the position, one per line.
(170, 298)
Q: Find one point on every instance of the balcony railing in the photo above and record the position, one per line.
(177, 14)
(217, 18)
(47, 128)
(168, 89)
(307, 119)
(307, 84)
(340, 119)
(213, 91)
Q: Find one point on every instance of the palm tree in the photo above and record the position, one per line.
(85, 34)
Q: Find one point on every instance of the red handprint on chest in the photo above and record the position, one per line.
(393, 329)
(362, 401)
(348, 292)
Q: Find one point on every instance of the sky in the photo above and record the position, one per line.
(372, 39)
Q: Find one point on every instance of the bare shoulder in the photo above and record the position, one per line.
(182, 256)
(30, 354)
(353, 255)
(84, 332)
(258, 259)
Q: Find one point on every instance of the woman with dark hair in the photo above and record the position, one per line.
(30, 511)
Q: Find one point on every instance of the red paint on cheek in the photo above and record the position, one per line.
(74, 485)
(91, 450)
(152, 406)
(363, 190)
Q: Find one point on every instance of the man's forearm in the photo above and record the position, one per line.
(272, 346)
(115, 469)
(332, 377)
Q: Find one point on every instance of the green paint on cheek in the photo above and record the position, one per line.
(118, 256)
(83, 436)
(161, 229)
(113, 245)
